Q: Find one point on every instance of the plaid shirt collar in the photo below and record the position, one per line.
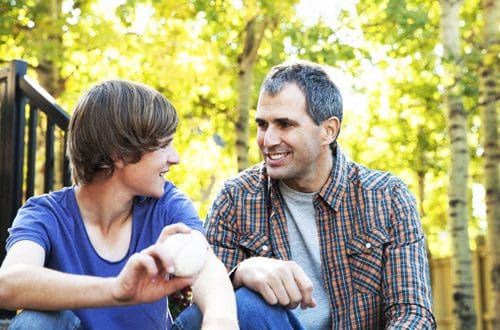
(332, 191)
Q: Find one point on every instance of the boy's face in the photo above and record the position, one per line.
(146, 177)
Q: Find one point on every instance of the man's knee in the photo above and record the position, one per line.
(255, 313)
(251, 300)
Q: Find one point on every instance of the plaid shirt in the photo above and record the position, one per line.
(372, 244)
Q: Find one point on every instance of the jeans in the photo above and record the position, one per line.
(36, 320)
(253, 314)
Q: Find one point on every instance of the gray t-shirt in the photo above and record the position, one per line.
(304, 244)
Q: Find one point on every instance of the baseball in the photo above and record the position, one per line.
(189, 252)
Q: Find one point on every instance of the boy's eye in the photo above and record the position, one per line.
(164, 145)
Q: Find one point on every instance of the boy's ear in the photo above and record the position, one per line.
(119, 163)
(331, 128)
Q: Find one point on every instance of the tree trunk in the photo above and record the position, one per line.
(489, 122)
(254, 33)
(421, 168)
(463, 289)
(48, 71)
(49, 77)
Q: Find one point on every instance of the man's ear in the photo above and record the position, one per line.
(331, 128)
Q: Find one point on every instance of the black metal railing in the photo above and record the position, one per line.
(30, 149)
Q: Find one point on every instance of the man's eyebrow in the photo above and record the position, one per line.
(275, 120)
(283, 120)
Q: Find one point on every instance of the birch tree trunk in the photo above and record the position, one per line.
(254, 33)
(463, 290)
(421, 168)
(489, 89)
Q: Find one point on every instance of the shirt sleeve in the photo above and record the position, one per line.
(179, 208)
(406, 281)
(221, 230)
(33, 222)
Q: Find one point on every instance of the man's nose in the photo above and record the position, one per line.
(271, 137)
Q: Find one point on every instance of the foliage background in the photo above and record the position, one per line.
(209, 57)
(386, 57)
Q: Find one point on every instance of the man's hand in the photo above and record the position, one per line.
(278, 281)
(145, 277)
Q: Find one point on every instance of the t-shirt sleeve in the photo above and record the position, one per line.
(179, 208)
(33, 222)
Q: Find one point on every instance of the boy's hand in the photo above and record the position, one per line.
(145, 277)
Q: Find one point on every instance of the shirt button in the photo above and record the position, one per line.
(264, 248)
(368, 245)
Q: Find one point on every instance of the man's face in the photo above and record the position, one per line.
(292, 145)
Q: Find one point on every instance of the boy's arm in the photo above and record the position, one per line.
(25, 283)
(213, 294)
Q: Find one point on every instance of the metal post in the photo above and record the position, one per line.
(12, 120)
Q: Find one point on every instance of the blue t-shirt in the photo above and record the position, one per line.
(54, 222)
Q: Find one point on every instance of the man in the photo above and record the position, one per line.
(90, 256)
(309, 227)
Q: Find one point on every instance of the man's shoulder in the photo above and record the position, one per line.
(371, 179)
(250, 180)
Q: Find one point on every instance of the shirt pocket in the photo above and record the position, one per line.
(256, 245)
(365, 253)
